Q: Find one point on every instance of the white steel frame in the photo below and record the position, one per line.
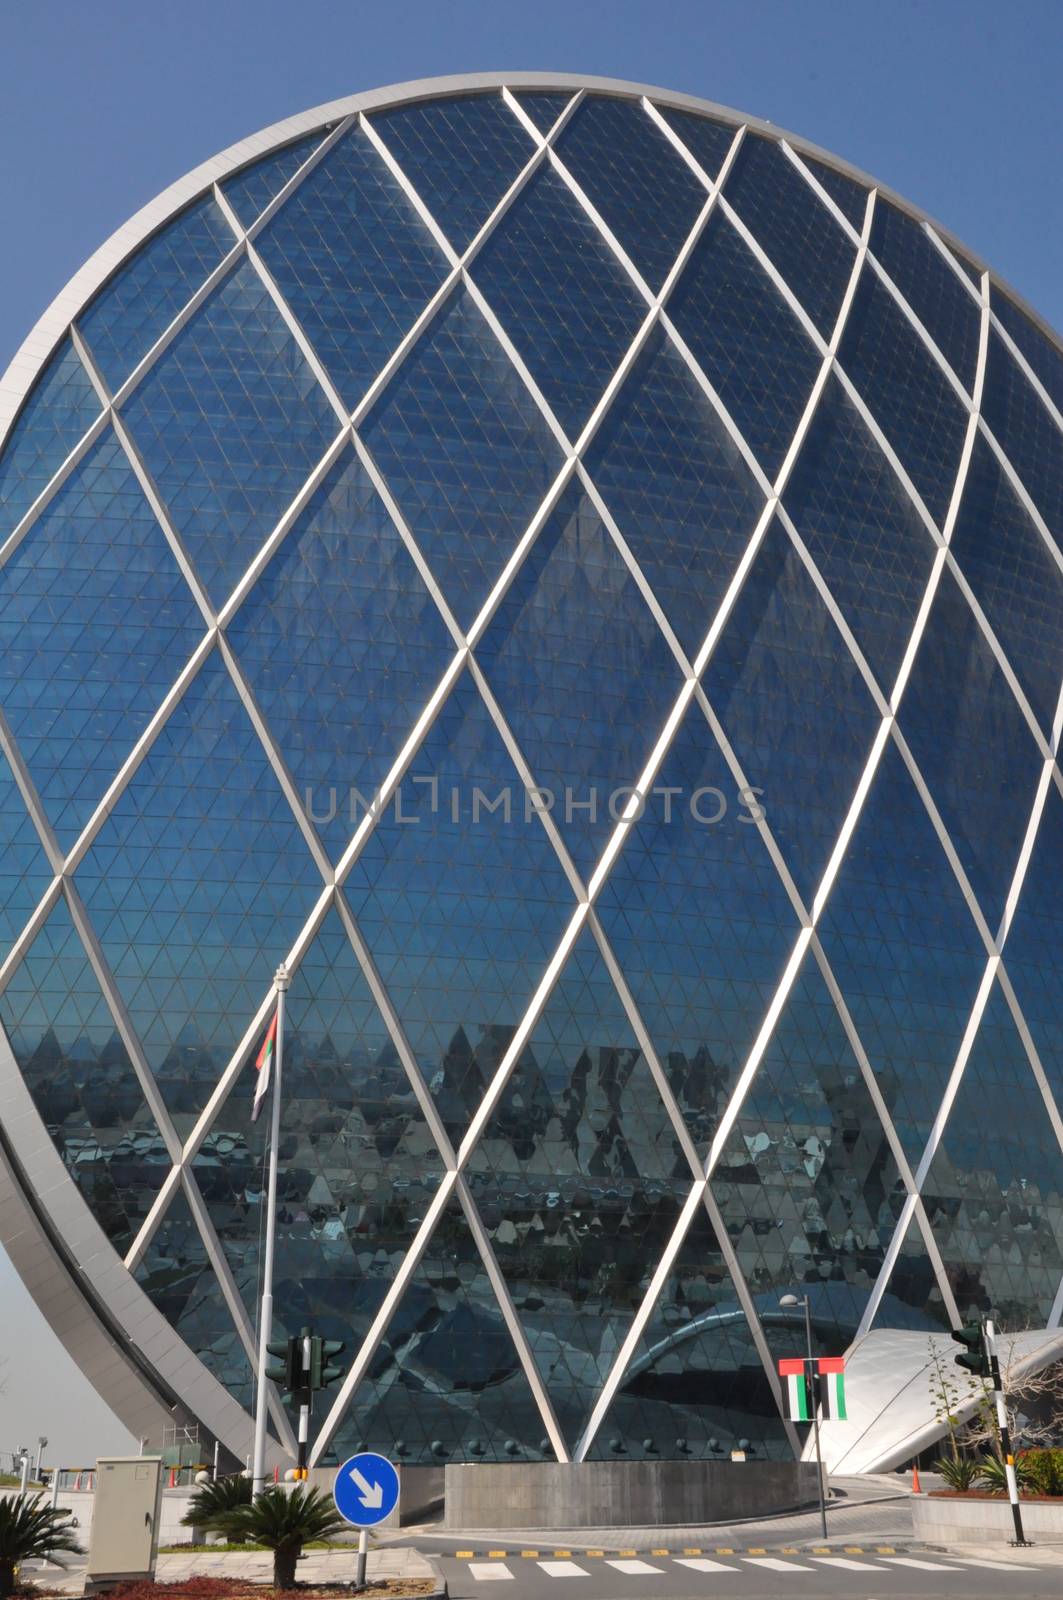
(691, 699)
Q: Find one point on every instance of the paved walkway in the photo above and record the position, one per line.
(318, 1566)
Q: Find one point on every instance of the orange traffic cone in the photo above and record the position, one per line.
(276, 1474)
(173, 1480)
(915, 1481)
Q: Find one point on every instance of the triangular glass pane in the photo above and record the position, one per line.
(798, 234)
(561, 295)
(343, 646)
(906, 392)
(251, 191)
(465, 450)
(678, 487)
(140, 301)
(543, 109)
(24, 870)
(945, 308)
(354, 260)
(707, 141)
(61, 405)
(446, 1338)
(197, 885)
(750, 345)
(582, 672)
(1039, 349)
(849, 196)
(82, 1081)
(635, 179)
(912, 1299)
(358, 1165)
(807, 1184)
(1028, 434)
(461, 155)
(1015, 579)
(904, 949)
(1033, 954)
(695, 1385)
(700, 924)
(230, 422)
(994, 1193)
(794, 706)
(862, 530)
(579, 1180)
(177, 1277)
(972, 745)
(462, 901)
(96, 621)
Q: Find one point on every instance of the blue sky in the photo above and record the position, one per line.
(956, 105)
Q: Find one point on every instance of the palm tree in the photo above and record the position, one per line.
(284, 1522)
(30, 1531)
(212, 1499)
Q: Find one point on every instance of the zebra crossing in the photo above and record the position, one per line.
(504, 1566)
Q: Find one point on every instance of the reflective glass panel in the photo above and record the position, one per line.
(96, 622)
(465, 450)
(462, 901)
(543, 109)
(794, 706)
(948, 312)
(579, 1179)
(197, 885)
(251, 191)
(59, 410)
(1026, 431)
(1033, 954)
(581, 671)
(24, 870)
(78, 1071)
(635, 178)
(460, 154)
(994, 1194)
(142, 299)
(354, 260)
(561, 295)
(849, 196)
(343, 646)
(1041, 352)
(677, 485)
(230, 423)
(753, 349)
(707, 141)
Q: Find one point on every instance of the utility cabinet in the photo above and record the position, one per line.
(124, 1541)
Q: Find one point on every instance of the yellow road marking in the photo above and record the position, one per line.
(496, 1555)
(724, 1550)
(627, 1552)
(885, 1550)
(693, 1551)
(658, 1552)
(530, 1555)
(466, 1555)
(758, 1550)
(594, 1552)
(562, 1552)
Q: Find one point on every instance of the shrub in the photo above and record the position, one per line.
(959, 1472)
(284, 1522)
(213, 1499)
(30, 1531)
(1042, 1471)
(991, 1474)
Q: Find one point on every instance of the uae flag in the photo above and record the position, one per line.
(832, 1387)
(798, 1397)
(264, 1067)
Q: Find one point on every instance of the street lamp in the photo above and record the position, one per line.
(787, 1302)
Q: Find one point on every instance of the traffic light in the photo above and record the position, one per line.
(322, 1356)
(974, 1358)
(286, 1369)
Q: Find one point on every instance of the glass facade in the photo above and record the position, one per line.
(533, 715)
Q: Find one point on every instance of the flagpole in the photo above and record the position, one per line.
(265, 1318)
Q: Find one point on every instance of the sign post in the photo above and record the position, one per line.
(366, 1491)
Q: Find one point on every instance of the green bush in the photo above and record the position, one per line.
(30, 1531)
(959, 1472)
(991, 1474)
(1042, 1471)
(284, 1521)
(216, 1499)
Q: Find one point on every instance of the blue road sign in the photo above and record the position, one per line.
(366, 1489)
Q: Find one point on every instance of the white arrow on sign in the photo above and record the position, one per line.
(370, 1494)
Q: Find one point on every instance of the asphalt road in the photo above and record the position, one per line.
(553, 1575)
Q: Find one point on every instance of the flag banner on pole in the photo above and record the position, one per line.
(798, 1399)
(832, 1387)
(264, 1067)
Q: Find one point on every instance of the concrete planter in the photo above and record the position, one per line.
(618, 1494)
(976, 1519)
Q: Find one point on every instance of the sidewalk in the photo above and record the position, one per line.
(256, 1566)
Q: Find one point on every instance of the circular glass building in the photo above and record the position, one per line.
(576, 575)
